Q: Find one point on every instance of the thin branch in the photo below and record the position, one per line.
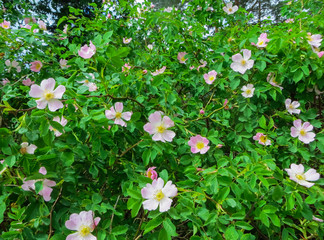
(112, 216)
(51, 213)
(123, 153)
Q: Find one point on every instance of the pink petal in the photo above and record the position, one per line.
(305, 183)
(194, 149)
(73, 236)
(297, 123)
(148, 127)
(165, 204)
(246, 54)
(36, 91)
(155, 117)
(46, 193)
(150, 204)
(168, 135)
(312, 175)
(120, 122)
(298, 169)
(307, 126)
(127, 115)
(157, 137)
(167, 122)
(170, 190)
(31, 149)
(54, 104)
(48, 84)
(110, 114)
(41, 103)
(237, 57)
(42, 170)
(119, 107)
(204, 150)
(59, 91)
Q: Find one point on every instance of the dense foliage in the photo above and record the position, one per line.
(88, 112)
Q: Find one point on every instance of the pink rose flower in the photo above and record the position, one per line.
(5, 81)
(127, 40)
(248, 91)
(292, 106)
(202, 111)
(314, 40)
(36, 66)
(157, 126)
(262, 139)
(118, 114)
(27, 82)
(242, 63)
(303, 131)
(289, 20)
(42, 25)
(296, 173)
(317, 51)
(151, 173)
(47, 95)
(87, 52)
(61, 121)
(199, 144)
(271, 78)
(28, 20)
(230, 9)
(126, 67)
(63, 64)
(210, 77)
(84, 223)
(181, 57)
(159, 71)
(26, 148)
(262, 41)
(144, 71)
(5, 24)
(158, 195)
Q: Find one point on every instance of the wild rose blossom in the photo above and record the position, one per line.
(144, 71)
(271, 78)
(158, 127)
(61, 121)
(28, 20)
(5, 24)
(151, 173)
(87, 52)
(203, 64)
(47, 184)
(26, 148)
(296, 173)
(92, 86)
(63, 64)
(47, 95)
(242, 63)
(126, 67)
(158, 195)
(317, 51)
(127, 40)
(230, 9)
(181, 57)
(262, 41)
(36, 66)
(159, 71)
(303, 131)
(5, 81)
(42, 25)
(248, 91)
(202, 111)
(289, 20)
(210, 77)
(84, 223)
(314, 40)
(150, 46)
(13, 64)
(118, 114)
(292, 106)
(27, 82)
(199, 144)
(262, 139)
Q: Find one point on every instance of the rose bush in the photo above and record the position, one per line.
(102, 151)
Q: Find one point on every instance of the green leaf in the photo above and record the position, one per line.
(231, 233)
(169, 227)
(96, 198)
(10, 161)
(264, 219)
(155, 222)
(262, 122)
(119, 230)
(146, 156)
(243, 225)
(298, 75)
(67, 158)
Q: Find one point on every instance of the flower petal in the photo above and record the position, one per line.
(54, 104)
(165, 204)
(36, 91)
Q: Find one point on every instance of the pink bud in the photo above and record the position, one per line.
(199, 169)
(219, 145)
(151, 173)
(144, 71)
(202, 111)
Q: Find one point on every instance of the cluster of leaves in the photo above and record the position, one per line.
(239, 191)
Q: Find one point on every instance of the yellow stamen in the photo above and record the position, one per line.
(48, 96)
(200, 145)
(161, 129)
(183, 59)
(243, 62)
(260, 43)
(263, 139)
(211, 78)
(86, 81)
(302, 132)
(248, 91)
(23, 150)
(300, 176)
(38, 66)
(118, 115)
(159, 195)
(230, 9)
(84, 231)
(291, 106)
(149, 174)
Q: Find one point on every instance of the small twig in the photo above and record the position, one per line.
(112, 216)
(123, 153)
(51, 213)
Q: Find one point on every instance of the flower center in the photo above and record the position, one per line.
(149, 174)
(200, 145)
(302, 132)
(263, 139)
(38, 66)
(84, 231)
(118, 115)
(291, 106)
(86, 81)
(48, 96)
(248, 91)
(161, 129)
(183, 59)
(260, 43)
(300, 176)
(159, 195)
(211, 78)
(309, 38)
(243, 62)
(230, 9)
(23, 150)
